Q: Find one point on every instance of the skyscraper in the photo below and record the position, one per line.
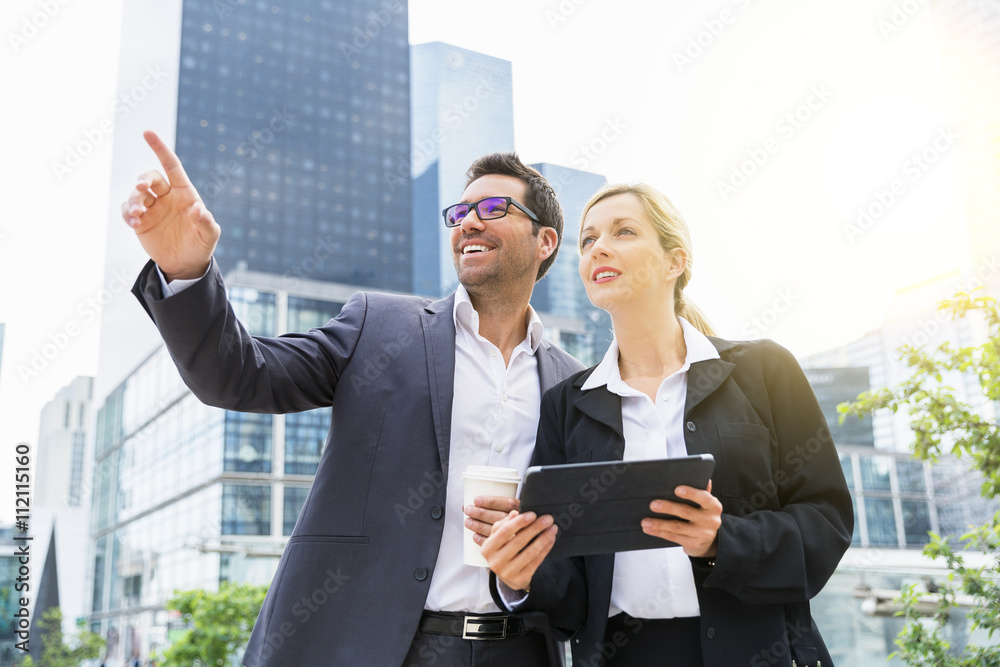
(462, 106)
(60, 504)
(287, 117)
(834, 386)
(290, 119)
(561, 292)
(60, 475)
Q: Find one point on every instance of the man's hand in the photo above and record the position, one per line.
(169, 217)
(699, 534)
(517, 547)
(486, 511)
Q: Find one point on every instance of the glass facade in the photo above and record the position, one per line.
(187, 496)
(834, 386)
(892, 502)
(295, 497)
(9, 595)
(462, 107)
(561, 292)
(289, 117)
(305, 435)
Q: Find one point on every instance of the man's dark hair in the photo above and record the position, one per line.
(539, 196)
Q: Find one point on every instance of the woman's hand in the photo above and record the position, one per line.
(517, 546)
(698, 535)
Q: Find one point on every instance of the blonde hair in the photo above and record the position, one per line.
(673, 232)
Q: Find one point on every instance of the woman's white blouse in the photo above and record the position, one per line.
(653, 583)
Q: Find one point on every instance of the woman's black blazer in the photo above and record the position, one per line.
(787, 515)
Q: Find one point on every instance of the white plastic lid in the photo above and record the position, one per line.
(492, 473)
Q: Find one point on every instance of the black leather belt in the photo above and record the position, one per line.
(471, 626)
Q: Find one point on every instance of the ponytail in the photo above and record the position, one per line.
(692, 313)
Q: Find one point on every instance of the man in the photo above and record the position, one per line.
(373, 573)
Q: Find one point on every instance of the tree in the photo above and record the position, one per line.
(942, 423)
(56, 652)
(219, 624)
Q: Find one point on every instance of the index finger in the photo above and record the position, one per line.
(500, 503)
(171, 163)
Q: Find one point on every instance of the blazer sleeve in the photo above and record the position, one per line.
(557, 603)
(788, 554)
(226, 367)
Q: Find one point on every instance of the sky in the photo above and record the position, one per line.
(769, 123)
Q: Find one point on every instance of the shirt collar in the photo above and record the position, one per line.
(699, 348)
(466, 317)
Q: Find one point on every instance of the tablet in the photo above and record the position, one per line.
(599, 506)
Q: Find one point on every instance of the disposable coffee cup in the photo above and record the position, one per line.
(485, 481)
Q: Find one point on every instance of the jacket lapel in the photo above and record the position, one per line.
(439, 343)
(549, 366)
(605, 407)
(704, 377)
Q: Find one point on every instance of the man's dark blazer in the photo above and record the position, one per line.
(353, 578)
(787, 515)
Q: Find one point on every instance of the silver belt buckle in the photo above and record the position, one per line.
(484, 627)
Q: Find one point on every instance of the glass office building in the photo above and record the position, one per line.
(289, 117)
(188, 496)
(462, 106)
(834, 386)
(561, 291)
(897, 500)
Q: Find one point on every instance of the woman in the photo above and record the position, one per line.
(767, 533)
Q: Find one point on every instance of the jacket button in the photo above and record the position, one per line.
(710, 633)
(420, 574)
(690, 426)
(436, 512)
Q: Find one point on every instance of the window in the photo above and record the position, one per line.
(916, 522)
(881, 522)
(248, 442)
(295, 497)
(246, 509)
(305, 435)
(875, 473)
